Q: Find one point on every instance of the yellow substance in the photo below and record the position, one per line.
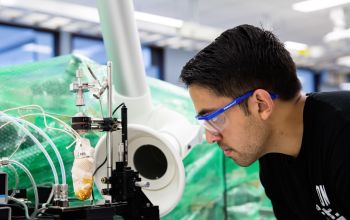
(85, 192)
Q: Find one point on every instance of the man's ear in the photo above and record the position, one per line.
(261, 103)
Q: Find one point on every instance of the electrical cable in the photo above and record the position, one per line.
(99, 167)
(121, 104)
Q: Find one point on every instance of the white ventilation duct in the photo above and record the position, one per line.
(153, 132)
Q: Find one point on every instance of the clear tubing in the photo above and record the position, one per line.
(44, 115)
(16, 179)
(53, 168)
(50, 196)
(54, 147)
(35, 189)
(23, 204)
(51, 128)
(74, 134)
(18, 144)
(44, 205)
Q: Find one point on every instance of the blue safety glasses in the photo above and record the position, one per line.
(216, 121)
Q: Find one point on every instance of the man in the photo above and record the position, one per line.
(247, 95)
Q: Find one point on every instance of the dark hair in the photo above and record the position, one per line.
(242, 59)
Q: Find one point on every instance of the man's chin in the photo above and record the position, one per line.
(242, 163)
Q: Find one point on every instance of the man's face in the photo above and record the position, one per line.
(243, 137)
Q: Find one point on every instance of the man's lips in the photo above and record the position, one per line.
(227, 150)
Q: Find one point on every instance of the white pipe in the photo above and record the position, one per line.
(122, 43)
(123, 46)
(53, 168)
(54, 147)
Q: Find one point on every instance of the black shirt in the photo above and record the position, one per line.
(315, 184)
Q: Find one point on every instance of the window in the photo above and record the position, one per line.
(23, 45)
(89, 47)
(95, 50)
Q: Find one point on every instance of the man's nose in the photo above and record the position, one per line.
(212, 137)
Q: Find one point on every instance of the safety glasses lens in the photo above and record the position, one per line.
(214, 125)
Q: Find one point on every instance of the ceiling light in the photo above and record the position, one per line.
(314, 5)
(337, 35)
(200, 32)
(160, 29)
(297, 49)
(290, 45)
(63, 9)
(172, 22)
(343, 61)
(86, 13)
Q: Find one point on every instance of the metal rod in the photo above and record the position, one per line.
(109, 133)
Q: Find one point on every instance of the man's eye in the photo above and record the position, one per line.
(218, 119)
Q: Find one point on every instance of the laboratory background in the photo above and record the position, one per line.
(95, 123)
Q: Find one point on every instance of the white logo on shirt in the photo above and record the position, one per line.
(322, 195)
(325, 203)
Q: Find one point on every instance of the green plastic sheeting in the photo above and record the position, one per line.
(216, 188)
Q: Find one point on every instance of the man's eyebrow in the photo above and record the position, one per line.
(205, 111)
